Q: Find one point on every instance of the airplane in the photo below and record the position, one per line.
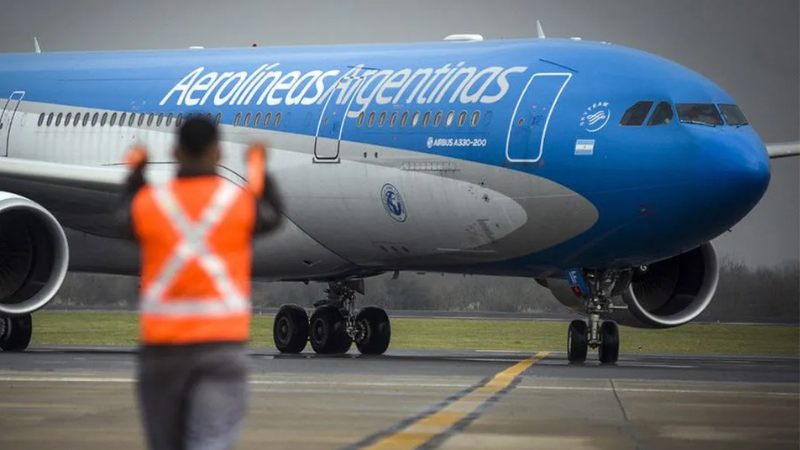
(602, 172)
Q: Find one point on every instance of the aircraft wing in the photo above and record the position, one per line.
(783, 150)
(99, 179)
(106, 179)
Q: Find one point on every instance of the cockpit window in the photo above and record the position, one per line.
(636, 114)
(699, 114)
(733, 115)
(662, 115)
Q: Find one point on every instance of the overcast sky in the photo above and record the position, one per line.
(750, 48)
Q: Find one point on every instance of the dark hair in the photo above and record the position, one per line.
(197, 135)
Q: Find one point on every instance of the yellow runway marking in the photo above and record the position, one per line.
(425, 429)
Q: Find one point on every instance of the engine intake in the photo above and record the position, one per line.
(666, 294)
(34, 255)
(674, 291)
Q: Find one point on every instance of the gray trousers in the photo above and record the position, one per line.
(192, 397)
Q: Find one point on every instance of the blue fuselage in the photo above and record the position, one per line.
(658, 180)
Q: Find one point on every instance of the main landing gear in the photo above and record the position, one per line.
(596, 288)
(15, 332)
(334, 325)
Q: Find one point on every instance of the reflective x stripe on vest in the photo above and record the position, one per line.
(193, 245)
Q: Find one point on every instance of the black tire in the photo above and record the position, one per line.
(345, 342)
(18, 334)
(327, 331)
(290, 330)
(608, 351)
(577, 342)
(374, 331)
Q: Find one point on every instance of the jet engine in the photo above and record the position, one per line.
(34, 255)
(664, 294)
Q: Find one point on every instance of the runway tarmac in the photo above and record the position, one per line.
(82, 398)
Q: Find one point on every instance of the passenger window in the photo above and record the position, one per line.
(169, 119)
(733, 115)
(95, 118)
(415, 119)
(662, 115)
(247, 119)
(122, 118)
(449, 119)
(41, 118)
(437, 119)
(113, 119)
(77, 119)
(393, 119)
(150, 118)
(426, 118)
(50, 119)
(382, 119)
(219, 117)
(277, 119)
(462, 118)
(404, 119)
(58, 119)
(160, 119)
(699, 114)
(86, 119)
(476, 116)
(257, 120)
(361, 118)
(189, 117)
(371, 119)
(104, 119)
(68, 119)
(141, 119)
(636, 114)
(237, 119)
(179, 120)
(131, 119)
(267, 117)
(209, 117)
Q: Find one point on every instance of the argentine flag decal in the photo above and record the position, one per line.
(584, 146)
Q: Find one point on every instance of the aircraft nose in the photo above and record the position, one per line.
(735, 175)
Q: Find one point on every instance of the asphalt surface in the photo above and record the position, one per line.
(82, 398)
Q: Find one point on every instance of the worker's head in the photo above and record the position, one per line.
(198, 144)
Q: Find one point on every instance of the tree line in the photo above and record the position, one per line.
(744, 293)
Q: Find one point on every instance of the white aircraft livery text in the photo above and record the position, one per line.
(421, 86)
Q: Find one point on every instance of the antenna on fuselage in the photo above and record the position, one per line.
(539, 30)
(36, 45)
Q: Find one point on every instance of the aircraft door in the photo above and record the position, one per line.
(7, 119)
(528, 128)
(332, 119)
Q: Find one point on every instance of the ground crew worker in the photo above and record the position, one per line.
(195, 237)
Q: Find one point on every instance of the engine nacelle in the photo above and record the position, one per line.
(34, 255)
(669, 293)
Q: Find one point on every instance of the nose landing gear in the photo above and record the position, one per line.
(595, 288)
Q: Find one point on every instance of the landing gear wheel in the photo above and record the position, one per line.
(609, 343)
(577, 342)
(18, 333)
(328, 331)
(345, 342)
(290, 330)
(373, 331)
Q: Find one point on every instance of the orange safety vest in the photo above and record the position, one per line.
(195, 236)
